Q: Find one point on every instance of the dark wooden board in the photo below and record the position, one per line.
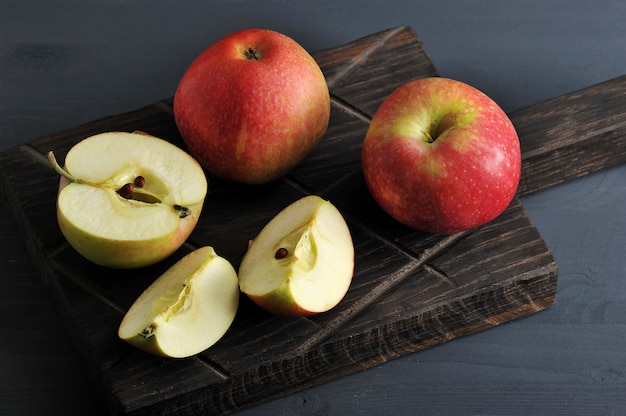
(572, 135)
(410, 290)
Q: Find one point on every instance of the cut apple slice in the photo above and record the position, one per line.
(128, 200)
(187, 309)
(302, 261)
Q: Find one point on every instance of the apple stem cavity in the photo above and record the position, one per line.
(429, 137)
(252, 54)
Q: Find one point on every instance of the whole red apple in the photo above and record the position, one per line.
(440, 156)
(252, 106)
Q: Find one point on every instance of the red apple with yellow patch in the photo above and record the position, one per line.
(440, 156)
(252, 106)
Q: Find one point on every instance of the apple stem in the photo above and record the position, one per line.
(429, 138)
(53, 161)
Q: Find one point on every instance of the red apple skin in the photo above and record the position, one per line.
(252, 120)
(464, 178)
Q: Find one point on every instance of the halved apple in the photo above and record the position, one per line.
(187, 309)
(128, 200)
(302, 261)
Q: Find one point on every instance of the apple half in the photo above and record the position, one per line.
(128, 200)
(187, 309)
(302, 261)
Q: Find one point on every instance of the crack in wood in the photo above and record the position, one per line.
(385, 285)
(85, 284)
(38, 157)
(435, 271)
(349, 108)
(355, 63)
(220, 371)
(166, 106)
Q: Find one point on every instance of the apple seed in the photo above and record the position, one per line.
(140, 181)
(281, 253)
(126, 191)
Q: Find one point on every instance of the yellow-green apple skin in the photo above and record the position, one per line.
(119, 232)
(252, 106)
(187, 309)
(302, 261)
(440, 156)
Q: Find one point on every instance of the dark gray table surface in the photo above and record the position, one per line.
(64, 62)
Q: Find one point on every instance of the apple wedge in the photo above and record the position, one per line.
(187, 309)
(128, 200)
(302, 261)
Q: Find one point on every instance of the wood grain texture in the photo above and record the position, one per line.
(29, 369)
(410, 290)
(572, 135)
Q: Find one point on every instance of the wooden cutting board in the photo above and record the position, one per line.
(410, 290)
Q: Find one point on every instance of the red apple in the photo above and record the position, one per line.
(252, 106)
(440, 156)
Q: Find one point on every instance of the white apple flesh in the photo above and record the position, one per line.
(187, 309)
(302, 261)
(134, 229)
